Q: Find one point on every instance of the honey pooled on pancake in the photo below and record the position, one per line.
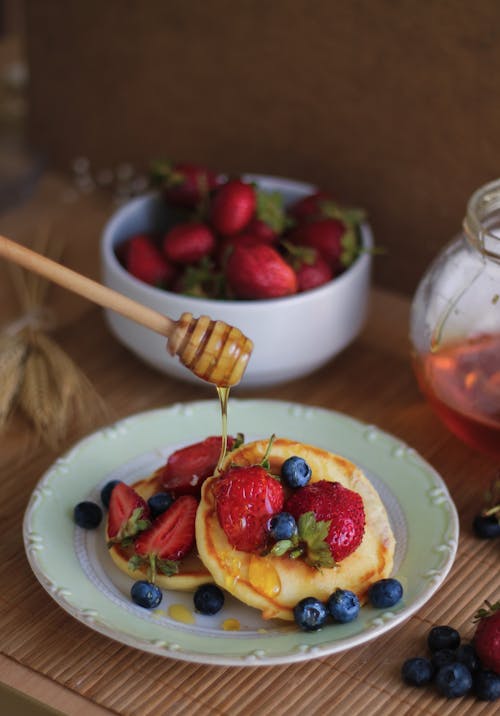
(275, 584)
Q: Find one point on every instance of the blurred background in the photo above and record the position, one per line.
(394, 107)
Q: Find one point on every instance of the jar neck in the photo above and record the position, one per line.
(482, 221)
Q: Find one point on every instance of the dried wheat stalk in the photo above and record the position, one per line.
(36, 375)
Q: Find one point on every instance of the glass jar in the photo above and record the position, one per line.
(455, 327)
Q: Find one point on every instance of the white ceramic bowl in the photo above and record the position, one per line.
(292, 336)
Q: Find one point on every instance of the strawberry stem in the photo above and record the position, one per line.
(152, 567)
(265, 460)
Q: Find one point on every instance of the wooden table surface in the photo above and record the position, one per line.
(62, 663)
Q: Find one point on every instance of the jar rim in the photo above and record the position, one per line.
(481, 207)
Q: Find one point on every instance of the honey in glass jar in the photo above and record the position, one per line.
(455, 327)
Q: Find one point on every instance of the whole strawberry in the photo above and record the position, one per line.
(314, 274)
(258, 271)
(232, 207)
(184, 184)
(145, 261)
(246, 498)
(188, 243)
(487, 637)
(331, 502)
(310, 267)
(310, 207)
(324, 235)
(226, 246)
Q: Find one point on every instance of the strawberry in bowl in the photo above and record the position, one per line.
(274, 257)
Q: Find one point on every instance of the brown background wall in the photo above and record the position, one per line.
(392, 105)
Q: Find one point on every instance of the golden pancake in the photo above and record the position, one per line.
(276, 584)
(192, 572)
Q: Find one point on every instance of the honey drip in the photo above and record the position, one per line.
(223, 393)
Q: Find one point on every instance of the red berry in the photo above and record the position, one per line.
(233, 206)
(331, 501)
(186, 469)
(126, 509)
(226, 246)
(309, 207)
(313, 274)
(184, 184)
(172, 534)
(246, 498)
(487, 638)
(188, 243)
(259, 272)
(145, 261)
(262, 230)
(324, 235)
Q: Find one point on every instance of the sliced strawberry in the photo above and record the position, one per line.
(246, 498)
(171, 535)
(128, 513)
(187, 468)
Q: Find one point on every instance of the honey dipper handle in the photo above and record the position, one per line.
(86, 287)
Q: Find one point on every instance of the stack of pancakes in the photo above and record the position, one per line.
(275, 584)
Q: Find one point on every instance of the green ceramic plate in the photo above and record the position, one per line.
(74, 567)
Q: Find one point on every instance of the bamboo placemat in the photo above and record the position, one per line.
(37, 633)
(373, 382)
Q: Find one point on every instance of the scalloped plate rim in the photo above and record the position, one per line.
(309, 649)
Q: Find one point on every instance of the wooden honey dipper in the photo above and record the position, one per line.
(212, 350)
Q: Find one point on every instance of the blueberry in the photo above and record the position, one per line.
(146, 594)
(466, 654)
(441, 657)
(208, 599)
(87, 515)
(486, 527)
(453, 680)
(343, 606)
(385, 593)
(487, 685)
(106, 492)
(160, 503)
(443, 637)
(417, 671)
(295, 472)
(310, 614)
(282, 526)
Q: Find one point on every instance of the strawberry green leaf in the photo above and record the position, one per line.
(314, 533)
(270, 209)
(350, 246)
(130, 528)
(135, 562)
(488, 612)
(167, 566)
